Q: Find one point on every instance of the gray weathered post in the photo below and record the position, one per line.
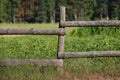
(61, 37)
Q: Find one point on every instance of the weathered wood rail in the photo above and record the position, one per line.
(33, 62)
(103, 23)
(60, 32)
(31, 31)
(91, 54)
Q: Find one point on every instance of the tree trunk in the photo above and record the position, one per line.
(51, 19)
(14, 19)
(75, 17)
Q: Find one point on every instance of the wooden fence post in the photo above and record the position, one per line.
(61, 37)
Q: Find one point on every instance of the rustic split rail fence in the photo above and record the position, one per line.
(60, 52)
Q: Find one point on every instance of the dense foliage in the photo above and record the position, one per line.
(48, 10)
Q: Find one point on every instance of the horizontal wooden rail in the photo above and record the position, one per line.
(102, 23)
(91, 54)
(31, 31)
(32, 62)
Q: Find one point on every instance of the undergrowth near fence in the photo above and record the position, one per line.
(91, 31)
(26, 47)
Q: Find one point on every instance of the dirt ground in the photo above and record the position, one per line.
(65, 75)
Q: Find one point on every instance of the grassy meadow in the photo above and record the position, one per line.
(45, 47)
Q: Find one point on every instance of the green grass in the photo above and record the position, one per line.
(93, 43)
(28, 47)
(40, 47)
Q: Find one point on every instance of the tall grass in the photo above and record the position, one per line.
(41, 47)
(93, 43)
(91, 31)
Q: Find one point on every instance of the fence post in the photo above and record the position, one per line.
(61, 37)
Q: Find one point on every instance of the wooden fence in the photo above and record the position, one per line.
(60, 52)
(91, 54)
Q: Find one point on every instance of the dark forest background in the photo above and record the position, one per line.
(47, 11)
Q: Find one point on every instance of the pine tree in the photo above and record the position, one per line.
(4, 9)
(51, 10)
(40, 11)
(101, 9)
(14, 7)
(59, 3)
(114, 6)
(1, 11)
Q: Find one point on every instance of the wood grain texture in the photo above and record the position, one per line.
(31, 31)
(32, 62)
(102, 23)
(61, 37)
(62, 15)
(91, 54)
